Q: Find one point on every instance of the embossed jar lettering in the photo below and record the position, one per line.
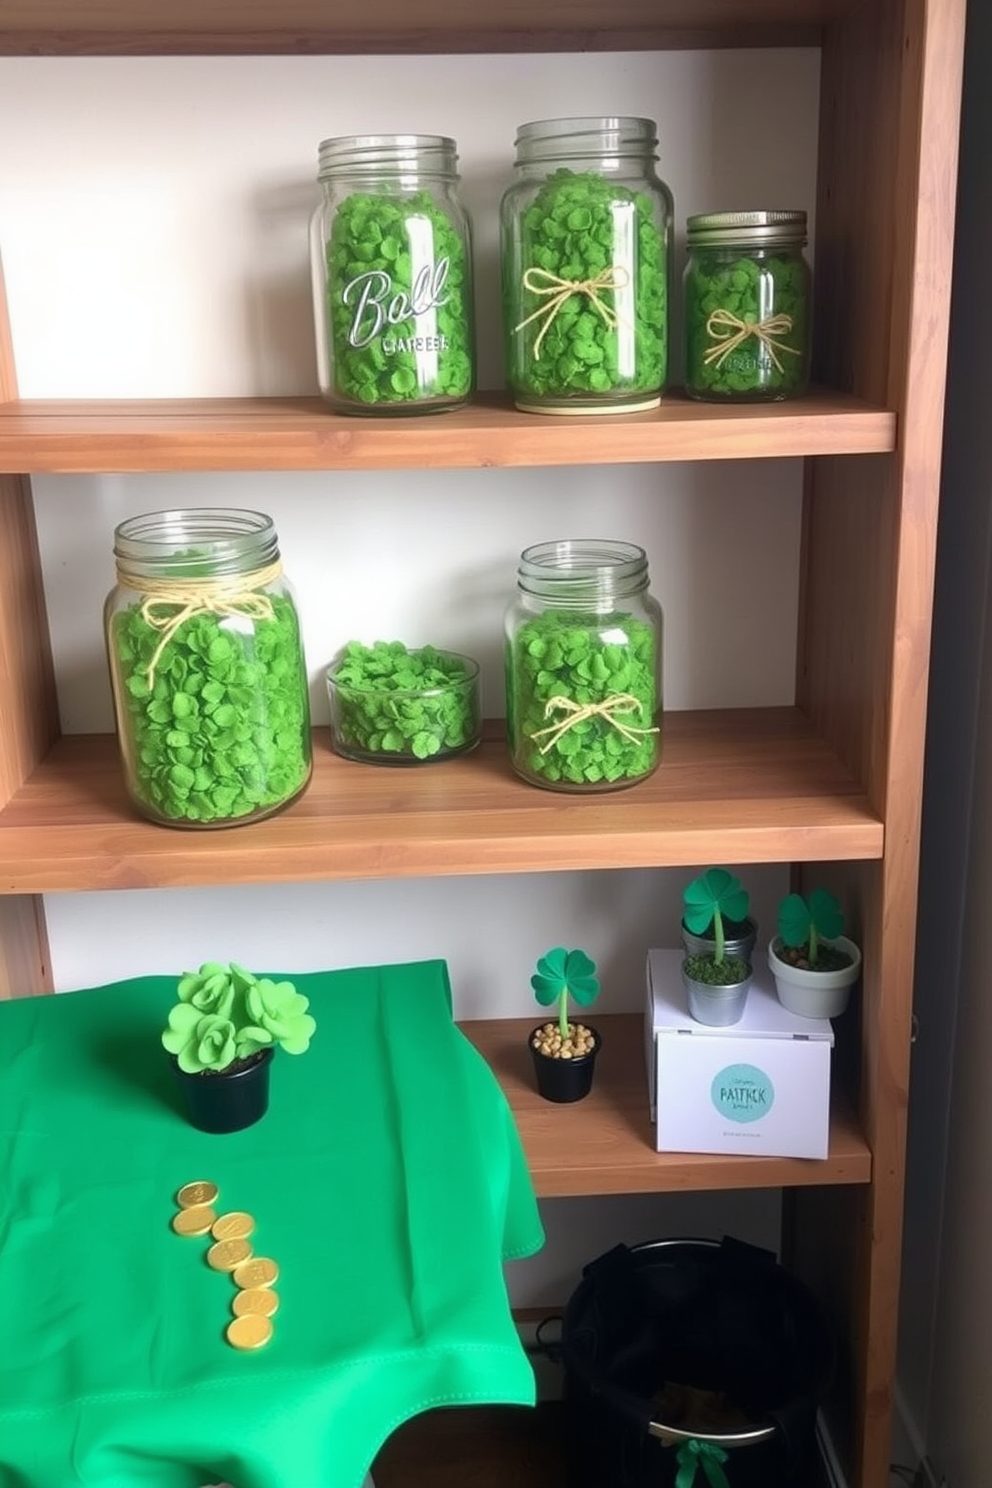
(391, 260)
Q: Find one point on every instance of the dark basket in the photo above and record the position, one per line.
(707, 1316)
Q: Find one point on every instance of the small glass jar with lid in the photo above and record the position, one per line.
(391, 264)
(583, 655)
(585, 261)
(747, 306)
(207, 668)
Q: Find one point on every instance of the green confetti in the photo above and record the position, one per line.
(224, 734)
(393, 705)
(729, 289)
(562, 654)
(398, 303)
(582, 227)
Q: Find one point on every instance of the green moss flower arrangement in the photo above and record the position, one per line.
(226, 1016)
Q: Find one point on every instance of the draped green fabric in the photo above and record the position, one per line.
(387, 1181)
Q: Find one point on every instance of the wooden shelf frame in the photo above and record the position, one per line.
(302, 434)
(747, 784)
(890, 82)
(604, 1144)
(231, 27)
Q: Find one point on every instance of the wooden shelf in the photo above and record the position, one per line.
(604, 1143)
(749, 785)
(154, 27)
(301, 434)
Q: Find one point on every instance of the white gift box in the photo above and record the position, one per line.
(759, 1087)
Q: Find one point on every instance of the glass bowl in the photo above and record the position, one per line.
(394, 706)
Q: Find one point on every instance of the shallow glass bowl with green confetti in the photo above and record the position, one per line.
(391, 705)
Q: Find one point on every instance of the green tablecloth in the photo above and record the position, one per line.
(387, 1181)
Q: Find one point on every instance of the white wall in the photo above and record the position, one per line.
(153, 219)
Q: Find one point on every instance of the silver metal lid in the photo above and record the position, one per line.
(718, 229)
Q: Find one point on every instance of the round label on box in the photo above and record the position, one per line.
(742, 1092)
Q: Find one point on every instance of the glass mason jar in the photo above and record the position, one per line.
(391, 262)
(747, 306)
(207, 667)
(585, 258)
(584, 667)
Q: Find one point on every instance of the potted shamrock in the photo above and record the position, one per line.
(739, 936)
(716, 982)
(564, 1052)
(813, 962)
(222, 1033)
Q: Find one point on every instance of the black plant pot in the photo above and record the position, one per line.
(229, 1101)
(564, 1080)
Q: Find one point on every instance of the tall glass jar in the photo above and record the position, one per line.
(391, 262)
(207, 666)
(584, 667)
(747, 306)
(585, 256)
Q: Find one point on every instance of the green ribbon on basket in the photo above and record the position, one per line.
(695, 1454)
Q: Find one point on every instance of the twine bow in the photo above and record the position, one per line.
(729, 332)
(169, 603)
(612, 708)
(541, 282)
(694, 1454)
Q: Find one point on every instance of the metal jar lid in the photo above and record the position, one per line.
(745, 229)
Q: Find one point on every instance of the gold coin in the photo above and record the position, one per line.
(234, 1226)
(249, 1332)
(262, 1301)
(194, 1221)
(196, 1193)
(227, 1254)
(258, 1272)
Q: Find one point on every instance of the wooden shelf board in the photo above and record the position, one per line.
(747, 785)
(302, 434)
(141, 27)
(604, 1144)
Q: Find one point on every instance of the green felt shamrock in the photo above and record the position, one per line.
(709, 899)
(218, 729)
(802, 921)
(605, 668)
(404, 704)
(399, 301)
(562, 974)
(585, 288)
(225, 1013)
(728, 296)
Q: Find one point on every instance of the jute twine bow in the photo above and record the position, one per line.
(612, 708)
(729, 331)
(169, 603)
(541, 282)
(707, 1455)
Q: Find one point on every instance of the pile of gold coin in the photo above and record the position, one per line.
(254, 1303)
